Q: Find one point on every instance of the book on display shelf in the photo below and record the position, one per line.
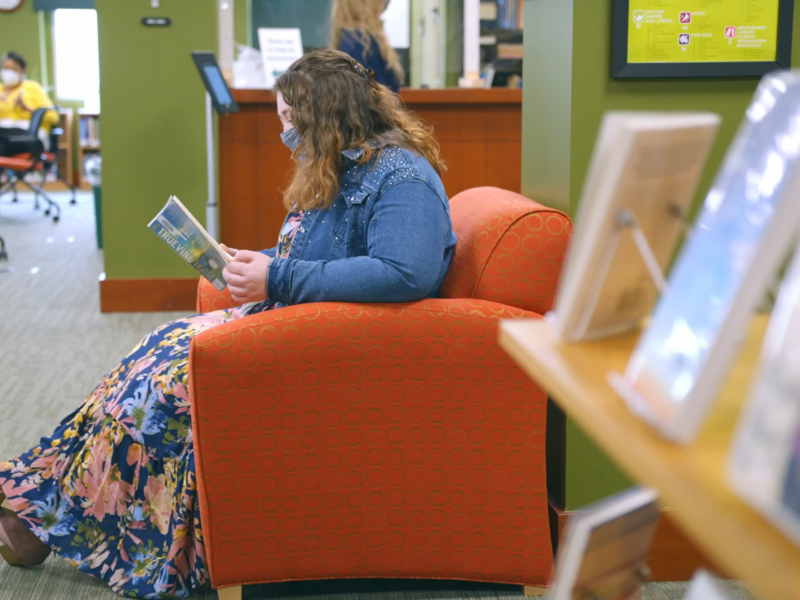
(744, 231)
(605, 548)
(764, 463)
(641, 181)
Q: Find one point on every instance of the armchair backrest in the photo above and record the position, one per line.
(509, 250)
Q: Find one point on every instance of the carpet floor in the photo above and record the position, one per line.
(54, 348)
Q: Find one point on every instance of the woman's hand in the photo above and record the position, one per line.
(20, 103)
(246, 275)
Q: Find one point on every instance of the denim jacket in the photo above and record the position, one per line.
(387, 237)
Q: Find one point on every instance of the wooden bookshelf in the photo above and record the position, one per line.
(64, 152)
(691, 480)
(88, 141)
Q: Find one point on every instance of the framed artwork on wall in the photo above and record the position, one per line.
(698, 38)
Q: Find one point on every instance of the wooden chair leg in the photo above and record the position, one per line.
(230, 593)
(534, 590)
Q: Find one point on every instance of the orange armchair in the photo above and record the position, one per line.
(392, 440)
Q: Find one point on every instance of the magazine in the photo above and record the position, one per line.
(764, 464)
(605, 548)
(178, 228)
(744, 232)
(645, 169)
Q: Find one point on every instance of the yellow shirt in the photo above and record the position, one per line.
(33, 96)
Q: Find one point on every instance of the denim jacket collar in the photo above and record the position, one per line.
(357, 152)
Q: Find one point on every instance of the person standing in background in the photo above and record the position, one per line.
(357, 30)
(19, 98)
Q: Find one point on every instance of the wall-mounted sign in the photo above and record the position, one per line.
(700, 38)
(156, 21)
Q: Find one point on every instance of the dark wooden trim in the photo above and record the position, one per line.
(673, 557)
(412, 96)
(147, 295)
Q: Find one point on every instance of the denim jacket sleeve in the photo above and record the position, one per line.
(271, 252)
(406, 242)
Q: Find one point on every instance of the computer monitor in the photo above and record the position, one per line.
(215, 84)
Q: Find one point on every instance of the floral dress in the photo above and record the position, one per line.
(113, 490)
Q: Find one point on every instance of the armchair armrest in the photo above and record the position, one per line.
(210, 298)
(372, 440)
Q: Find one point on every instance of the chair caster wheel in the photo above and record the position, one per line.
(55, 219)
(73, 201)
(15, 199)
(47, 213)
(3, 256)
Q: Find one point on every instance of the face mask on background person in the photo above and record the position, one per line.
(10, 77)
(291, 139)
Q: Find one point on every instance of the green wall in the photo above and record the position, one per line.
(153, 113)
(567, 90)
(20, 32)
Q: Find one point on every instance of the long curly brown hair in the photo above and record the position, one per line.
(337, 106)
(363, 18)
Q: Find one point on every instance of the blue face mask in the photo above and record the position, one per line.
(291, 139)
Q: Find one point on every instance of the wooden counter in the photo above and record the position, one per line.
(479, 132)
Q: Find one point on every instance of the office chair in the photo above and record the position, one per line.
(19, 166)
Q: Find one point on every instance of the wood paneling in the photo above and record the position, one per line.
(479, 132)
(147, 295)
(673, 556)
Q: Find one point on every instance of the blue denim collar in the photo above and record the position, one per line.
(358, 151)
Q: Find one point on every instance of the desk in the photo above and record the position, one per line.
(690, 479)
(479, 131)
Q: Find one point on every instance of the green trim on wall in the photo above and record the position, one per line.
(153, 130)
(19, 31)
(568, 89)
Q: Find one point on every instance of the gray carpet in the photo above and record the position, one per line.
(55, 346)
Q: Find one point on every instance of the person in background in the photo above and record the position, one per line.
(19, 98)
(357, 30)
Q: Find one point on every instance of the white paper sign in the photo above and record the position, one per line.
(279, 49)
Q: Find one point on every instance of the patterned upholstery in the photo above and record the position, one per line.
(398, 440)
(509, 249)
(209, 298)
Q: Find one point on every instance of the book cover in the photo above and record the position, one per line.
(177, 228)
(645, 166)
(742, 235)
(605, 549)
(764, 463)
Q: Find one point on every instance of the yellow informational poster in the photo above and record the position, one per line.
(696, 31)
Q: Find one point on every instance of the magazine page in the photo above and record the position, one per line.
(181, 232)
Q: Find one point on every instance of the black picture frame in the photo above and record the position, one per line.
(622, 69)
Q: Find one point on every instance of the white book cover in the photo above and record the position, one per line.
(644, 170)
(745, 230)
(764, 464)
(605, 548)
